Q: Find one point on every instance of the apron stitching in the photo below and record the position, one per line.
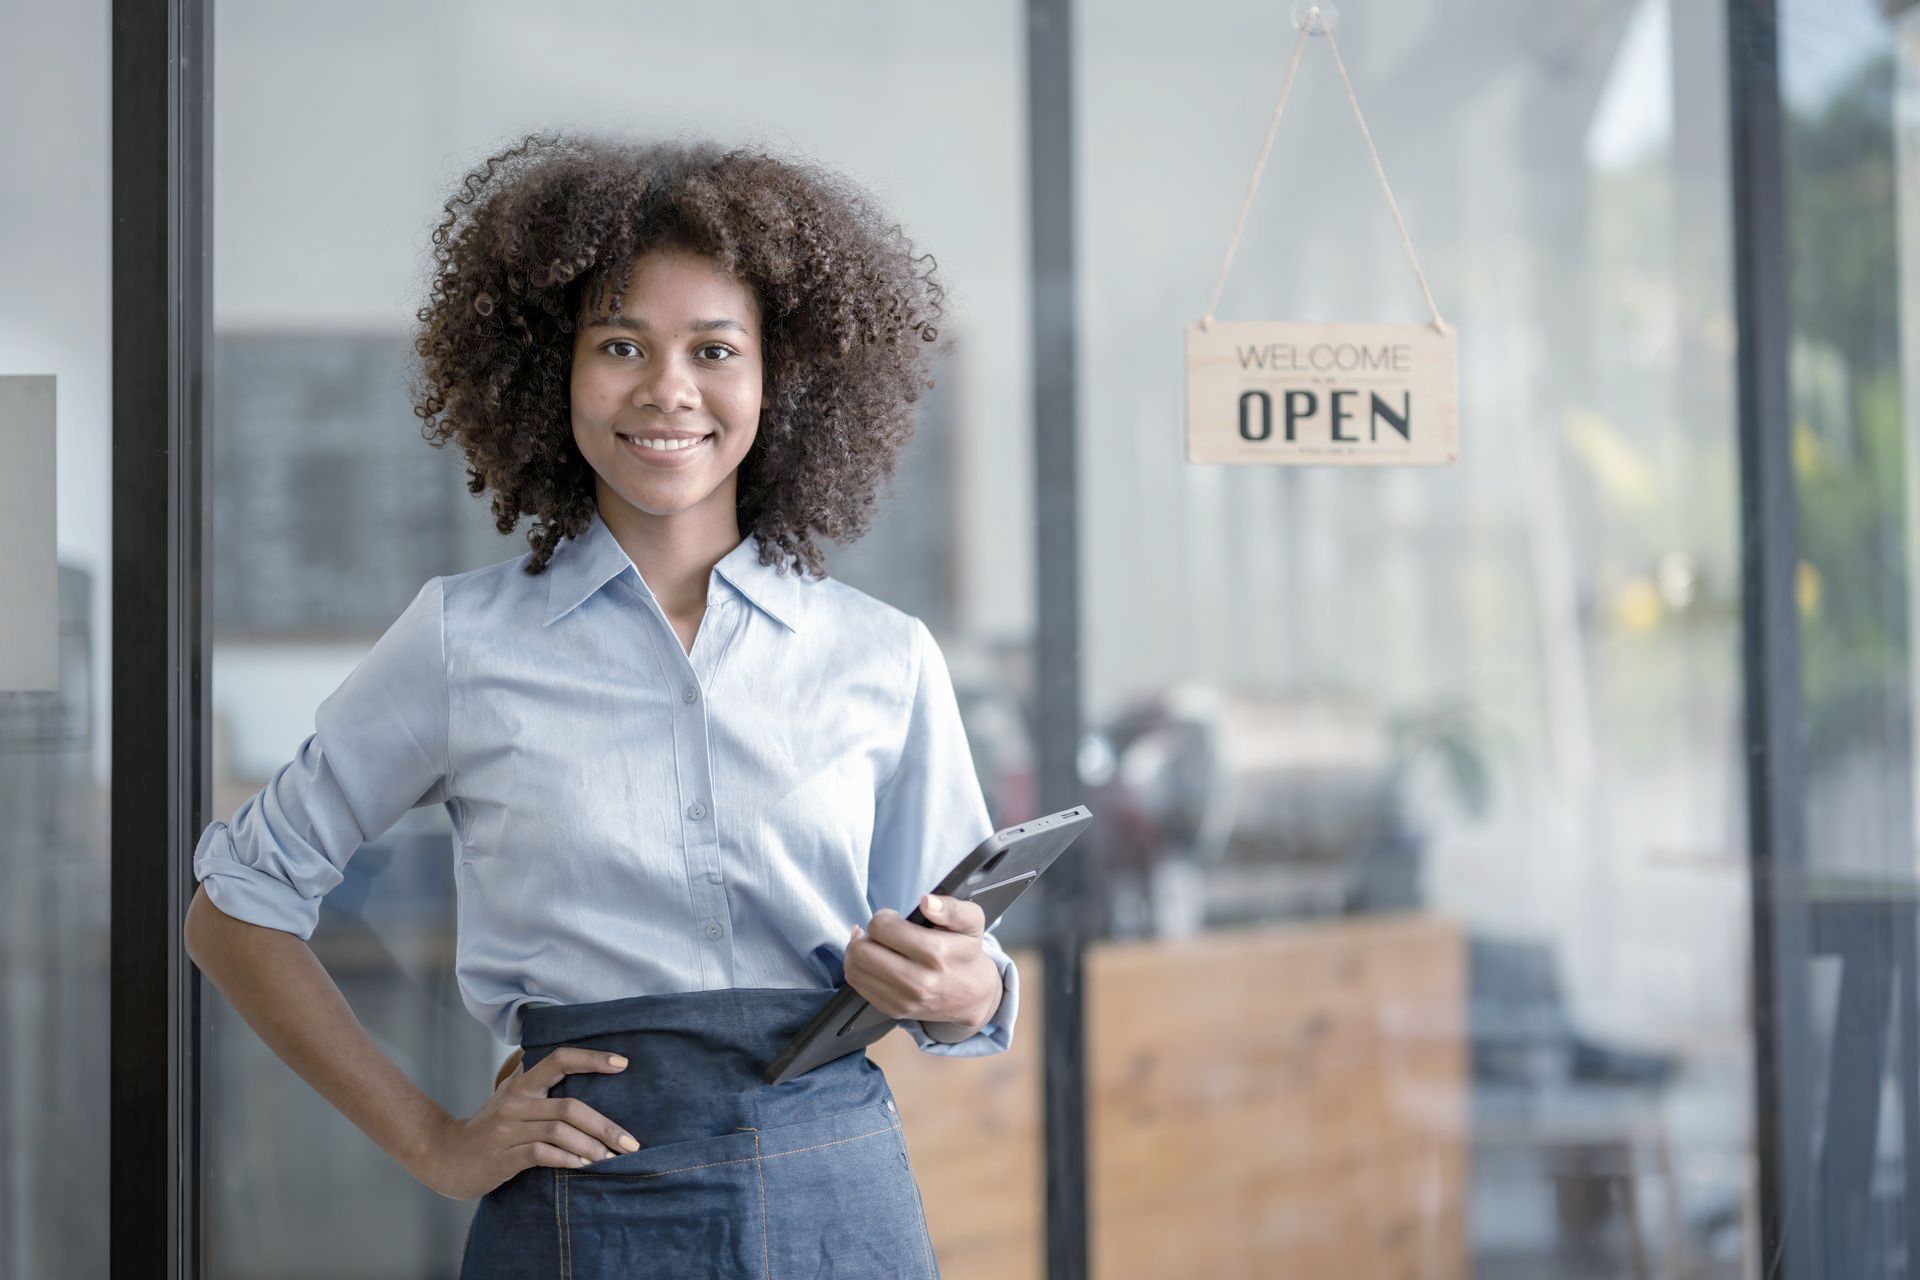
(559, 1235)
(766, 1249)
(714, 1164)
(926, 1236)
(567, 1239)
(817, 1146)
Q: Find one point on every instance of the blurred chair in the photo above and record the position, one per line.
(1589, 1111)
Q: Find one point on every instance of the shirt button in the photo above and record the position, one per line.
(696, 811)
(713, 929)
(689, 693)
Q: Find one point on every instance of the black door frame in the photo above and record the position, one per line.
(1770, 625)
(162, 121)
(1056, 693)
(162, 85)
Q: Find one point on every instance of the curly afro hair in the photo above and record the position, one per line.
(556, 222)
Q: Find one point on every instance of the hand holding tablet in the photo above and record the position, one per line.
(992, 877)
(938, 974)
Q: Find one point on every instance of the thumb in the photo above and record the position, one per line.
(956, 914)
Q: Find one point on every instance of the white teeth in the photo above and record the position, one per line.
(666, 445)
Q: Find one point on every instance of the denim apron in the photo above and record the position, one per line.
(735, 1178)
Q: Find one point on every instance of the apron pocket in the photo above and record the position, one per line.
(852, 1199)
(686, 1156)
(692, 1208)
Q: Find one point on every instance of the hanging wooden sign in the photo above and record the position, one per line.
(1322, 394)
(1301, 394)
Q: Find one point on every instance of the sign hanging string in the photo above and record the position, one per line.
(1316, 25)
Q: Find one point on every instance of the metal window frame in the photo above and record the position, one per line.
(1057, 708)
(162, 121)
(1771, 664)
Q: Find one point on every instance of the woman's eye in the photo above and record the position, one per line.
(726, 352)
(618, 342)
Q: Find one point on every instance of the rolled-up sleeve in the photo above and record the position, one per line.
(928, 815)
(379, 748)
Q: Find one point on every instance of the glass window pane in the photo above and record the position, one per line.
(330, 511)
(1421, 790)
(1848, 72)
(55, 761)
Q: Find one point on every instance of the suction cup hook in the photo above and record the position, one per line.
(1316, 17)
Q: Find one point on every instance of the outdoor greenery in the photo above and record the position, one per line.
(1849, 427)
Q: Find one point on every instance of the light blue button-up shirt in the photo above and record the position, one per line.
(630, 818)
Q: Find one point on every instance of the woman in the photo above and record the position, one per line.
(693, 781)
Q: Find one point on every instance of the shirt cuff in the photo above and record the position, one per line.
(248, 893)
(995, 1037)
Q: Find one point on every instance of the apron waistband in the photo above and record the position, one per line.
(694, 1060)
(749, 1017)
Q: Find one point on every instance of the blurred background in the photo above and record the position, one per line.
(1420, 876)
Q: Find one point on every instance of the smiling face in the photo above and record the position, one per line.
(665, 397)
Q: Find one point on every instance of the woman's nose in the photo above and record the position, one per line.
(667, 387)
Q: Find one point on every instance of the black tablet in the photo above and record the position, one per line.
(996, 873)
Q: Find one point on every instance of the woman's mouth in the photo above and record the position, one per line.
(661, 451)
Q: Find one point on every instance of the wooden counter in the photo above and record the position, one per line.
(1263, 1103)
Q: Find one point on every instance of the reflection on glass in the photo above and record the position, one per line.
(55, 753)
(1419, 792)
(1848, 76)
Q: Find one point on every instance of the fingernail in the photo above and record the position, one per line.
(930, 904)
(585, 1160)
(626, 1140)
(616, 1060)
(856, 933)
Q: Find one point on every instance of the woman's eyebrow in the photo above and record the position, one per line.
(639, 325)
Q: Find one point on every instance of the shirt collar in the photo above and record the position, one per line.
(583, 565)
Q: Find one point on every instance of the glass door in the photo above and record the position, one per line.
(1424, 857)
(329, 510)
